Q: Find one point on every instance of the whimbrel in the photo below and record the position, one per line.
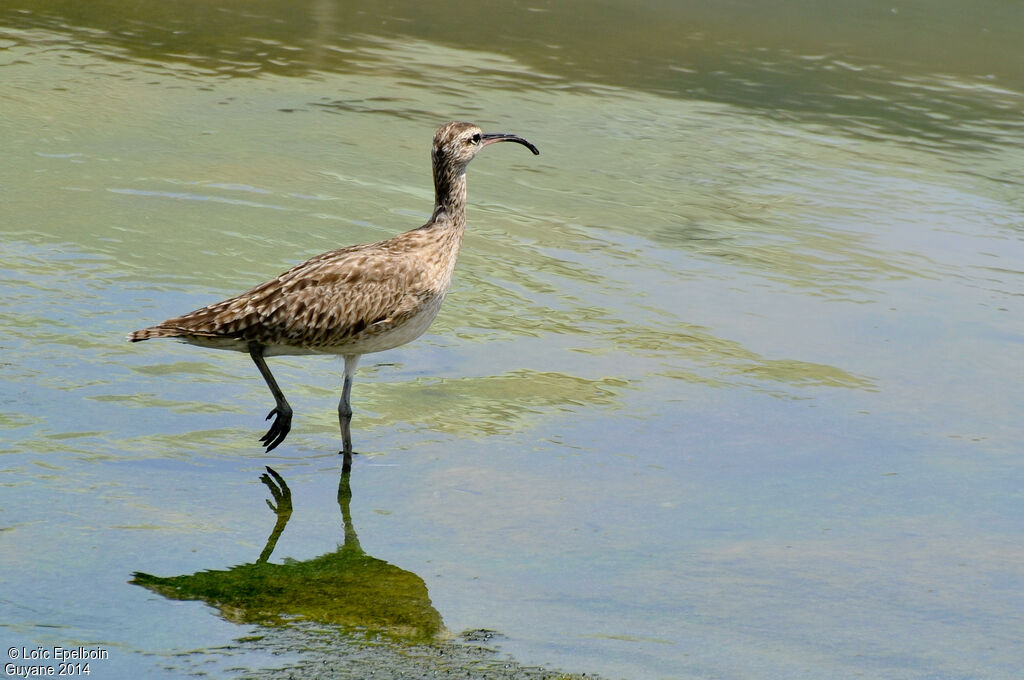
(351, 301)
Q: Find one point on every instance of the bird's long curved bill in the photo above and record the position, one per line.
(492, 137)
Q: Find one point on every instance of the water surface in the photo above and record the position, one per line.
(728, 384)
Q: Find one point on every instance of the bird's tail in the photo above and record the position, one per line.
(154, 332)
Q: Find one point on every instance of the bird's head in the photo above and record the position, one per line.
(456, 143)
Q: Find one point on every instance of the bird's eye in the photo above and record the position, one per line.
(475, 138)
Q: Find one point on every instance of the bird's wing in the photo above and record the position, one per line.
(327, 298)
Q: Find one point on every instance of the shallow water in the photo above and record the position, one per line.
(728, 383)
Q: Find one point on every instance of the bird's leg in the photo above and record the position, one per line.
(345, 415)
(345, 410)
(282, 411)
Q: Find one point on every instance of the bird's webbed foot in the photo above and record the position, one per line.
(279, 428)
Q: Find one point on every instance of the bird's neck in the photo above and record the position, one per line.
(450, 194)
(448, 223)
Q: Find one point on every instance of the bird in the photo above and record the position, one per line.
(351, 301)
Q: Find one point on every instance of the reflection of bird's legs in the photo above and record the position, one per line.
(344, 501)
(283, 496)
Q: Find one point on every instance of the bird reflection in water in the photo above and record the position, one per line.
(346, 587)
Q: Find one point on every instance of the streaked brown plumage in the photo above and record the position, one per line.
(350, 301)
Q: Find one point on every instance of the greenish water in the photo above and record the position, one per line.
(728, 384)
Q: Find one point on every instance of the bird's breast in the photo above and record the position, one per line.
(382, 334)
(393, 332)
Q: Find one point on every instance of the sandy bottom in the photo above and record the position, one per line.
(326, 653)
